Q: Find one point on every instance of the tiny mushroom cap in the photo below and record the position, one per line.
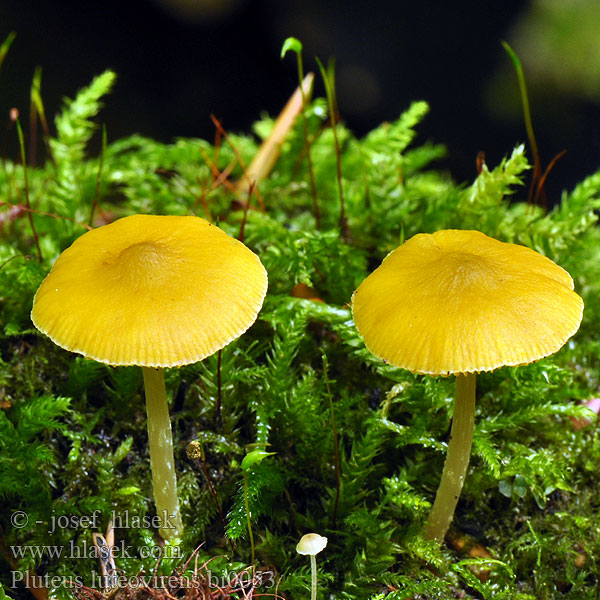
(154, 291)
(311, 543)
(457, 301)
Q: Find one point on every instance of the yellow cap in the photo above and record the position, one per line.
(460, 302)
(155, 291)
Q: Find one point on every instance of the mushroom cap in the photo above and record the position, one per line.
(155, 291)
(311, 543)
(461, 302)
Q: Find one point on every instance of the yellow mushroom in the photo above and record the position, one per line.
(459, 302)
(153, 291)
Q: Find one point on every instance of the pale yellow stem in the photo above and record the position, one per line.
(162, 461)
(457, 459)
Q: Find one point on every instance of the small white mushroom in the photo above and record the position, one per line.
(312, 544)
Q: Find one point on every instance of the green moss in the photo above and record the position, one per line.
(72, 432)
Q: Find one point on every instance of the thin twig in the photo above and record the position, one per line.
(240, 160)
(223, 177)
(216, 147)
(480, 162)
(15, 115)
(45, 214)
(202, 456)
(543, 178)
(219, 177)
(245, 216)
(202, 199)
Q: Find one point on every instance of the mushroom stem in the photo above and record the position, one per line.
(457, 459)
(162, 460)
(313, 579)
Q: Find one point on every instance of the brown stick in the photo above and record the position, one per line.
(268, 153)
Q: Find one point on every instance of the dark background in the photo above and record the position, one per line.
(174, 70)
